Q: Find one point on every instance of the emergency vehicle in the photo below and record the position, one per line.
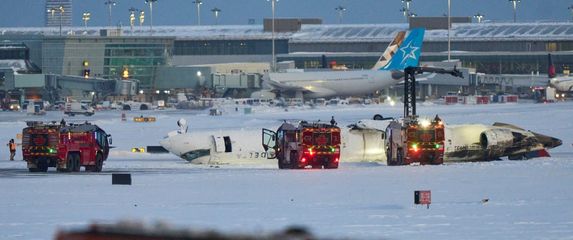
(415, 140)
(65, 147)
(306, 144)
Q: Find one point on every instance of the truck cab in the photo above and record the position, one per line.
(303, 145)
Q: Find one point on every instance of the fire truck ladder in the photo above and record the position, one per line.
(410, 85)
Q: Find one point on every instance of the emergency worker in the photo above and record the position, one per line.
(12, 146)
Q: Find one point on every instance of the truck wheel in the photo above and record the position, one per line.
(389, 159)
(399, 157)
(333, 166)
(42, 167)
(99, 163)
(77, 164)
(293, 160)
(69, 164)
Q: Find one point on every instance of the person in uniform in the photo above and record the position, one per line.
(12, 146)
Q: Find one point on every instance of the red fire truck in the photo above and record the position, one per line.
(414, 140)
(306, 144)
(65, 147)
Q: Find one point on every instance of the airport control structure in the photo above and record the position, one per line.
(230, 60)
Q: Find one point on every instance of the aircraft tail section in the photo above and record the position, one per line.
(537, 154)
(551, 70)
(390, 51)
(408, 55)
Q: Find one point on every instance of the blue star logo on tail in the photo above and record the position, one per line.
(408, 52)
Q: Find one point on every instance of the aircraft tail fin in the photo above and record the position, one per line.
(408, 54)
(538, 153)
(390, 51)
(551, 70)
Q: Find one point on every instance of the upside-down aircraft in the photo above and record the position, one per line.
(364, 141)
(388, 71)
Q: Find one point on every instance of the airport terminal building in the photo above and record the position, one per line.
(183, 57)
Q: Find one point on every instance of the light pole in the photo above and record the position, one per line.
(52, 11)
(340, 10)
(273, 63)
(407, 2)
(571, 9)
(216, 12)
(61, 8)
(86, 17)
(132, 11)
(404, 11)
(150, 2)
(479, 17)
(141, 18)
(449, 29)
(515, 9)
(110, 3)
(198, 4)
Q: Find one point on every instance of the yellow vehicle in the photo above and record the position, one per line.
(144, 119)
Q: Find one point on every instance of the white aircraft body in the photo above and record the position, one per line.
(401, 53)
(329, 84)
(363, 141)
(562, 83)
(245, 146)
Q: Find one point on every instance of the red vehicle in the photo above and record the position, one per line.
(308, 144)
(414, 140)
(65, 147)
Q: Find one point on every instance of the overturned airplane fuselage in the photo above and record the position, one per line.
(364, 141)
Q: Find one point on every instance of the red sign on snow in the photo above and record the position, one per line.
(423, 197)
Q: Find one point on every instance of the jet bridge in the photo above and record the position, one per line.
(55, 86)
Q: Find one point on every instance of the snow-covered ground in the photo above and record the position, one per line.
(527, 199)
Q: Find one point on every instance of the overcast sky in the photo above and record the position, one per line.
(30, 13)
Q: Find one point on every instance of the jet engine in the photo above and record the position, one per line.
(495, 142)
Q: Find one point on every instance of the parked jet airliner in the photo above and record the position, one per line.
(386, 72)
(563, 83)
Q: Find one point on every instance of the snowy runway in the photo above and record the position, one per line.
(527, 199)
